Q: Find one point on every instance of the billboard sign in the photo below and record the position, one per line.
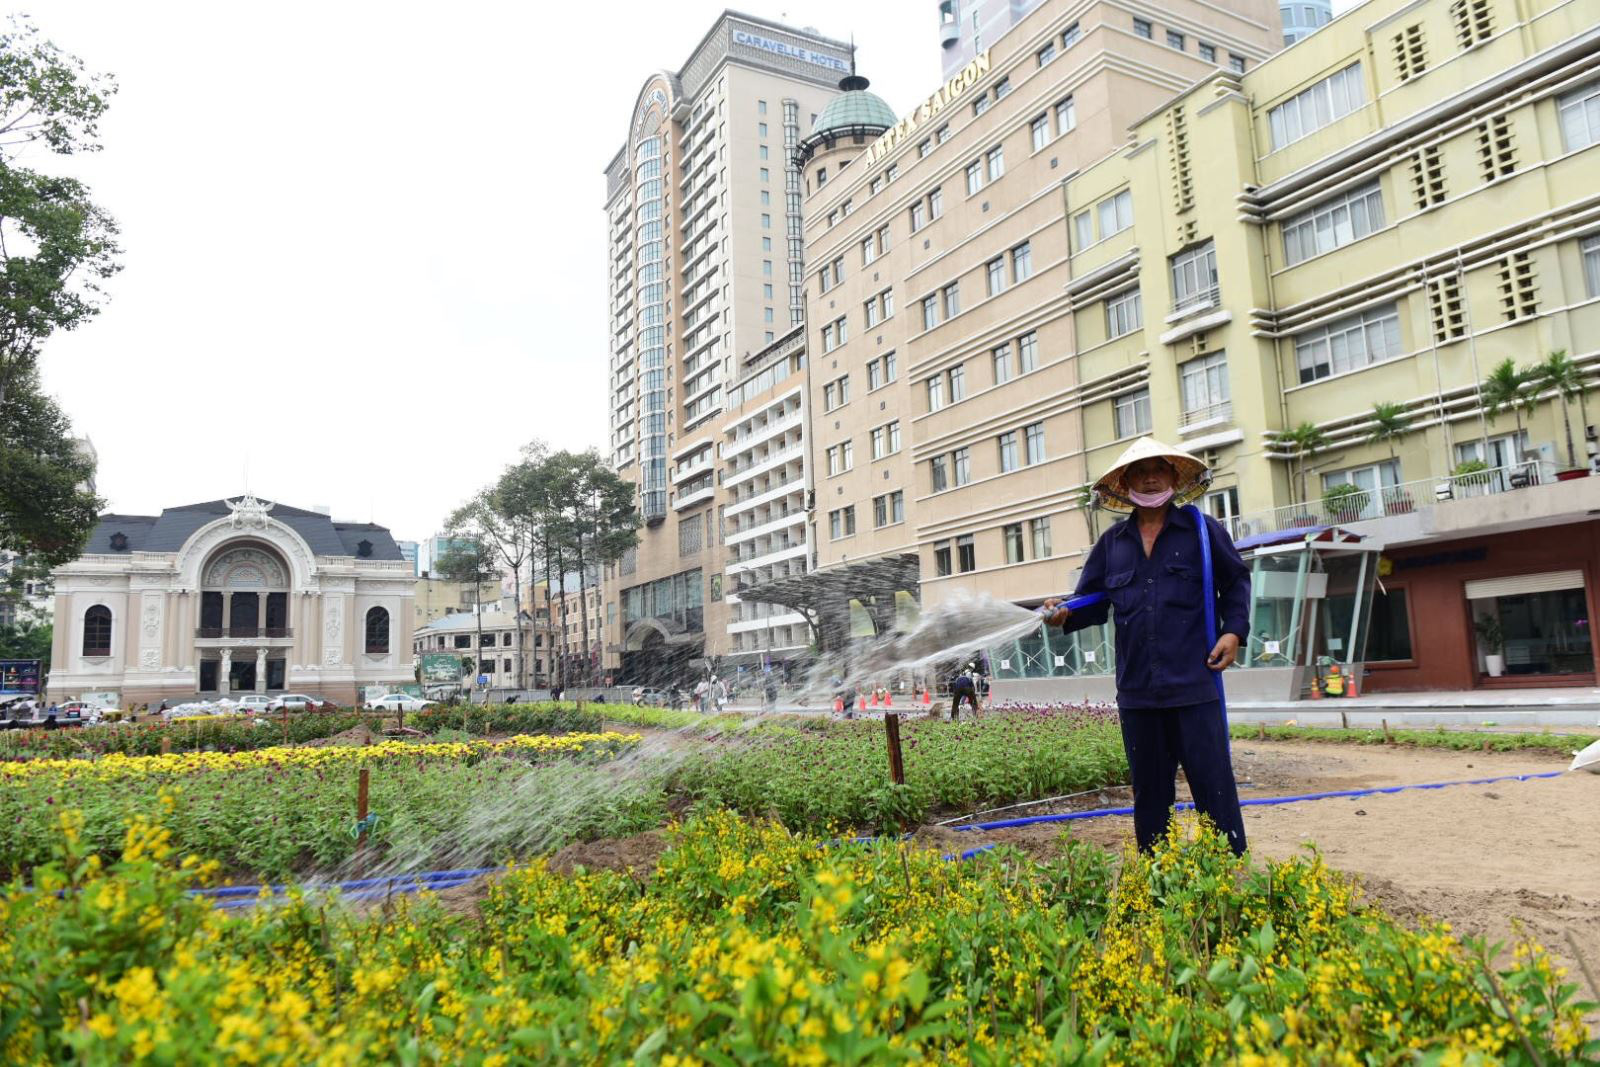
(19, 676)
(441, 668)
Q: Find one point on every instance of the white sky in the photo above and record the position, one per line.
(364, 243)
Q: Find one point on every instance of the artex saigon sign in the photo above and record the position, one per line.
(946, 95)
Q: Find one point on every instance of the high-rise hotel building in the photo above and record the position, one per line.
(703, 209)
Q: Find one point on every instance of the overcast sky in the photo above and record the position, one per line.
(365, 243)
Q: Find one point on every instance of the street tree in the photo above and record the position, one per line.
(1389, 423)
(1558, 373)
(1505, 389)
(469, 560)
(46, 508)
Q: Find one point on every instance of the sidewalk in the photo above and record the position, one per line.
(1521, 708)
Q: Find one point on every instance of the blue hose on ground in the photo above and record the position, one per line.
(1253, 802)
(359, 883)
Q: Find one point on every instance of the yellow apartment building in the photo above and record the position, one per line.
(1307, 271)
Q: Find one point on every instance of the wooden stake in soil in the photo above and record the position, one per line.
(166, 744)
(1388, 738)
(1344, 721)
(897, 767)
(361, 808)
(1261, 731)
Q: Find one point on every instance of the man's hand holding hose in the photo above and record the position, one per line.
(1055, 612)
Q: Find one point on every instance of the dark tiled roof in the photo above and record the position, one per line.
(168, 531)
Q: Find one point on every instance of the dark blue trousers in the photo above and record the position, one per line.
(1159, 741)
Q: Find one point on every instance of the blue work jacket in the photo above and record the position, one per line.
(1161, 633)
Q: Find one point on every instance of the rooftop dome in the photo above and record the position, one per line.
(853, 112)
(854, 108)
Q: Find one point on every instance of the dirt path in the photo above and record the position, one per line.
(1484, 858)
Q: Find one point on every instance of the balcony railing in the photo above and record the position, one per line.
(243, 631)
(1197, 300)
(1400, 499)
(1221, 410)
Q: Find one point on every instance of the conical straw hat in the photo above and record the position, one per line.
(1193, 477)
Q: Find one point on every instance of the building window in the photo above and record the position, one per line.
(1204, 385)
(762, 153)
(1002, 89)
(766, 197)
(886, 440)
(1046, 54)
(996, 160)
(1008, 451)
(1579, 112)
(1028, 352)
(892, 173)
(1002, 364)
(1236, 63)
(1410, 55)
(1066, 116)
(874, 373)
(941, 559)
(761, 107)
(974, 177)
(924, 148)
(938, 475)
(1124, 313)
(1040, 129)
(952, 299)
(1082, 230)
(889, 371)
(935, 204)
(1591, 263)
(1132, 413)
(1194, 277)
(1473, 22)
(1389, 635)
(942, 134)
(1348, 344)
(690, 535)
(919, 216)
(1333, 223)
(966, 554)
(505, 639)
(889, 509)
(1311, 109)
(980, 105)
(1033, 436)
(841, 458)
(1208, 52)
(1070, 35)
(378, 631)
(97, 631)
(958, 383)
(1022, 262)
(767, 314)
(766, 221)
(936, 392)
(1040, 529)
(1116, 213)
(961, 465)
(996, 274)
(1142, 28)
(842, 522)
(1011, 534)
(930, 311)
(1175, 40)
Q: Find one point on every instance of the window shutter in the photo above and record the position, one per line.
(1520, 584)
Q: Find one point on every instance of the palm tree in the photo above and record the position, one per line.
(1560, 373)
(1304, 439)
(1389, 422)
(1503, 391)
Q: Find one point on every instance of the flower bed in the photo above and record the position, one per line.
(840, 778)
(219, 734)
(752, 945)
(273, 812)
(546, 718)
(1459, 740)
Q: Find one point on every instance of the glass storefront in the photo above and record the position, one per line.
(1541, 632)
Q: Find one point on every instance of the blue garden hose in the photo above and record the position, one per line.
(1209, 594)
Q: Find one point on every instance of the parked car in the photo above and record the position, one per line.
(655, 698)
(81, 711)
(253, 703)
(296, 702)
(398, 702)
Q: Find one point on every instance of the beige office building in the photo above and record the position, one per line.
(703, 211)
(948, 433)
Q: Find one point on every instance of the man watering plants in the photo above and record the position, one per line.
(1150, 566)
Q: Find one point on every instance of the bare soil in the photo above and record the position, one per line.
(1493, 860)
(636, 854)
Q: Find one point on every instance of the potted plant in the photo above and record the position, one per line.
(1345, 502)
(1494, 640)
(1398, 501)
(1471, 473)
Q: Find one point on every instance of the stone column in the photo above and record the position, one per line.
(261, 670)
(227, 611)
(224, 683)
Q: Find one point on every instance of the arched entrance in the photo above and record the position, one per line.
(244, 634)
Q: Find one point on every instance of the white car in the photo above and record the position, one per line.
(293, 702)
(251, 703)
(81, 711)
(399, 702)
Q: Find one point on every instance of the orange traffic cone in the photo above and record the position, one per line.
(1316, 690)
(927, 698)
(838, 703)
(888, 700)
(861, 703)
(1353, 686)
(874, 698)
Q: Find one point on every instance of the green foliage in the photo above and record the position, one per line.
(1505, 390)
(1559, 374)
(1457, 740)
(479, 720)
(1490, 633)
(27, 639)
(1345, 502)
(1389, 423)
(746, 944)
(1301, 442)
(45, 510)
(841, 778)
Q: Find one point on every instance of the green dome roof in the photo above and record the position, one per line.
(853, 108)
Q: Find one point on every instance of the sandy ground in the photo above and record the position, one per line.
(1488, 858)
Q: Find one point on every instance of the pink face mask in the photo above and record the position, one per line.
(1150, 500)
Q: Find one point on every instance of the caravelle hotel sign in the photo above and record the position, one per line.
(946, 95)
